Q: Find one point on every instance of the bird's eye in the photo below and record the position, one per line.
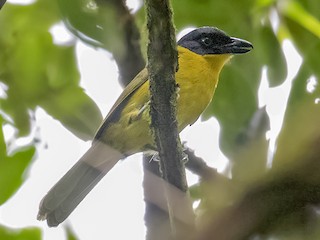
(206, 41)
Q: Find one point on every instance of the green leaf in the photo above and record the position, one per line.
(251, 156)
(300, 131)
(299, 135)
(82, 18)
(90, 23)
(264, 3)
(38, 72)
(16, 109)
(215, 13)
(248, 67)
(307, 43)
(311, 6)
(25, 45)
(62, 69)
(295, 11)
(70, 233)
(197, 13)
(12, 171)
(75, 110)
(3, 146)
(30, 233)
(298, 91)
(271, 54)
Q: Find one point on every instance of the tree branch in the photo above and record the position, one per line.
(199, 167)
(162, 65)
(129, 59)
(157, 216)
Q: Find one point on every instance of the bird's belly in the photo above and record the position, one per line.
(191, 104)
(132, 133)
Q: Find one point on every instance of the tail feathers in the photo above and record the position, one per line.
(72, 188)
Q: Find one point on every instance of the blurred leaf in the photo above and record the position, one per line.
(311, 6)
(62, 70)
(298, 91)
(35, 69)
(300, 128)
(70, 233)
(264, 3)
(67, 102)
(251, 156)
(197, 13)
(3, 147)
(12, 171)
(307, 43)
(75, 110)
(299, 136)
(233, 104)
(215, 13)
(90, 22)
(31, 56)
(20, 42)
(293, 10)
(19, 234)
(109, 25)
(271, 54)
(16, 109)
(249, 67)
(14, 26)
(82, 18)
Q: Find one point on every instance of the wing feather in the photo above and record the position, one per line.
(118, 106)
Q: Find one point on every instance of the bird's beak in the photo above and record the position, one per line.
(238, 46)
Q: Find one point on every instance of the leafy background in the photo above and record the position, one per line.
(35, 72)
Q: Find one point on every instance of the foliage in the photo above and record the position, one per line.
(19, 234)
(36, 72)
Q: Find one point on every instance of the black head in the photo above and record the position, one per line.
(211, 40)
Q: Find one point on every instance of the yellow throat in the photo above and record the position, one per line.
(197, 78)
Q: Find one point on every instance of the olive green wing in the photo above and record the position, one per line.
(117, 107)
(140, 79)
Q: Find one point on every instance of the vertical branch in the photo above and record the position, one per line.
(162, 65)
(156, 218)
(129, 57)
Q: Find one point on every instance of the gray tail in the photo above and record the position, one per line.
(72, 188)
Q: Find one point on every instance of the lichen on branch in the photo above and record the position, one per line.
(162, 65)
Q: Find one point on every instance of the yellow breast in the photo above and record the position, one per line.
(197, 78)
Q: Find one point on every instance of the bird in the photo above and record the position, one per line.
(202, 53)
